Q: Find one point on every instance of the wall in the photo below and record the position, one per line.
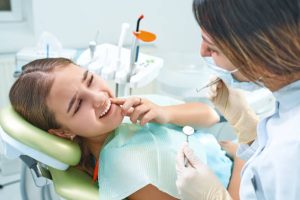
(17, 34)
(7, 63)
(75, 23)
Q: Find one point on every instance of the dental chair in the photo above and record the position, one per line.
(50, 159)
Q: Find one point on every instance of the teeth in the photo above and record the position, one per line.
(106, 109)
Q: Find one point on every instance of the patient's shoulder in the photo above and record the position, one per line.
(150, 192)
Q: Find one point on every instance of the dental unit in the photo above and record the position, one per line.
(128, 69)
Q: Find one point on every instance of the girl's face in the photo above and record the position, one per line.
(209, 49)
(81, 103)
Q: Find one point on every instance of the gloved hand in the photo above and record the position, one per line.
(197, 181)
(234, 107)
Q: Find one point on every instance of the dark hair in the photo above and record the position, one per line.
(28, 97)
(261, 37)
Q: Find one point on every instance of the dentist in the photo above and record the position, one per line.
(252, 43)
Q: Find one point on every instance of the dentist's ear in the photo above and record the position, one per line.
(62, 133)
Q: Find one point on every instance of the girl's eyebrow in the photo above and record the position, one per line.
(84, 76)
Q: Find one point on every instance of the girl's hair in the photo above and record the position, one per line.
(28, 97)
(260, 37)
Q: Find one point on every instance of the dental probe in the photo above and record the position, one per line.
(188, 131)
(208, 85)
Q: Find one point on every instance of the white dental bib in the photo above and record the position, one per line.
(135, 156)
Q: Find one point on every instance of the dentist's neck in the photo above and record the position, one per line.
(275, 84)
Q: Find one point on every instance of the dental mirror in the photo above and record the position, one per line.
(188, 131)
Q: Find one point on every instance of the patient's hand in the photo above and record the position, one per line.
(142, 109)
(230, 148)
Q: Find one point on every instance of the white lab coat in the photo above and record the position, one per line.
(272, 170)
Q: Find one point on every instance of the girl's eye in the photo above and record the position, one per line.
(89, 83)
(78, 106)
(90, 80)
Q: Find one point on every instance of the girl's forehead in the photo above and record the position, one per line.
(65, 84)
(71, 68)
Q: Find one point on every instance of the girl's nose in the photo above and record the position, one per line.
(204, 50)
(98, 98)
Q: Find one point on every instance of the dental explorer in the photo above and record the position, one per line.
(208, 85)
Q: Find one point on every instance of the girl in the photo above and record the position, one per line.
(136, 162)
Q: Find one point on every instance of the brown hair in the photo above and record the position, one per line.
(28, 97)
(260, 37)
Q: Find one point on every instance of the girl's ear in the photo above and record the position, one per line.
(62, 133)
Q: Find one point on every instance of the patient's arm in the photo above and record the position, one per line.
(193, 114)
(235, 180)
(150, 192)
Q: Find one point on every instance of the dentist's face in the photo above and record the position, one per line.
(80, 102)
(209, 49)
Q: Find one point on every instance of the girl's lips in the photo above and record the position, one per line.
(105, 109)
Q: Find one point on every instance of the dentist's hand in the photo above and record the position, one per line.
(142, 109)
(197, 181)
(234, 107)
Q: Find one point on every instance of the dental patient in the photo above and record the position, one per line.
(136, 160)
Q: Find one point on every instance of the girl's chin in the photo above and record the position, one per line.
(117, 112)
(116, 117)
(113, 119)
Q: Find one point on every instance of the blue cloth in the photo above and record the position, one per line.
(136, 156)
(273, 167)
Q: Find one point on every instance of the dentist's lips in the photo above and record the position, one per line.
(106, 109)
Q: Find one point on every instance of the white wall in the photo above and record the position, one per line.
(17, 34)
(75, 23)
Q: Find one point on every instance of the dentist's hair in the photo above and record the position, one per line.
(28, 97)
(260, 37)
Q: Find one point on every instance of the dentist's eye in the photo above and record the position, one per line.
(78, 106)
(212, 50)
(90, 80)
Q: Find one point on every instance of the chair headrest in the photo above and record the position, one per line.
(19, 129)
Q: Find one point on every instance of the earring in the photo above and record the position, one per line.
(72, 137)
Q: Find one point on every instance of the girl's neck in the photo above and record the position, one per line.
(95, 144)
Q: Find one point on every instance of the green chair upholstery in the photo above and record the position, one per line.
(74, 184)
(70, 184)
